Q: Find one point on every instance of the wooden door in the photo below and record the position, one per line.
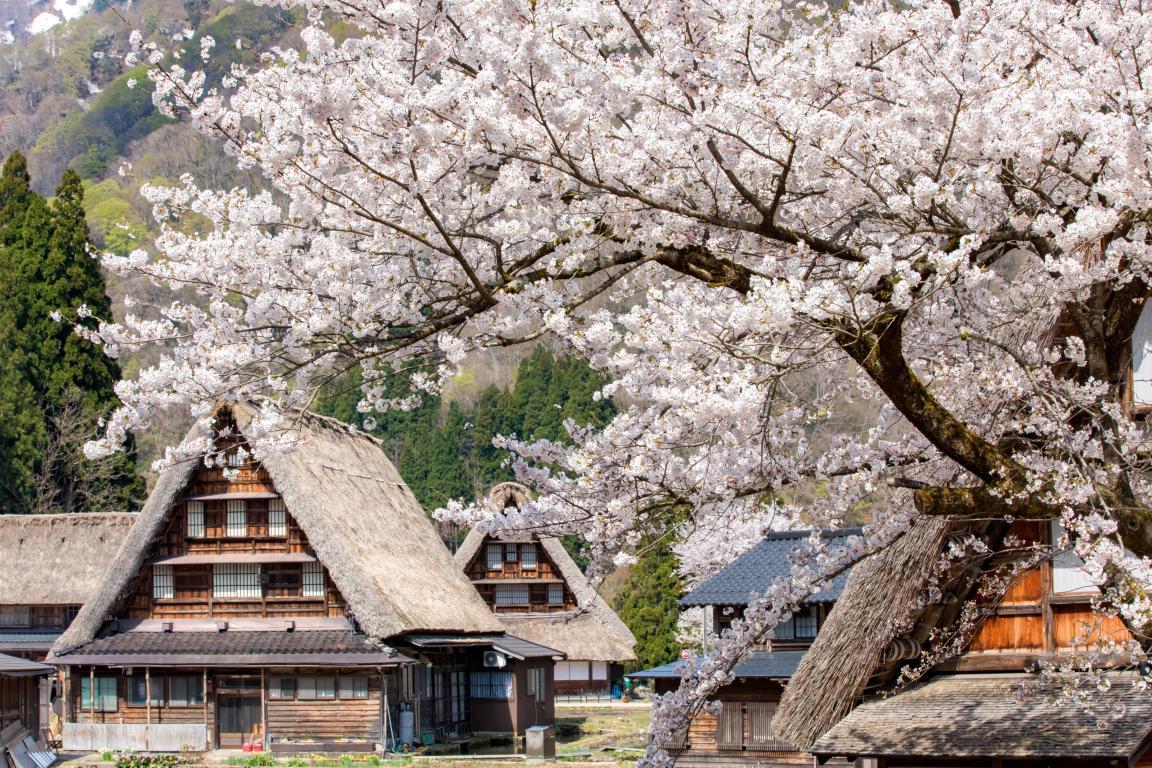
(238, 718)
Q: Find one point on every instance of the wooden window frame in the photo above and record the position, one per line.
(312, 580)
(18, 611)
(247, 578)
(482, 684)
(353, 687)
(196, 520)
(163, 582)
(232, 523)
(316, 688)
(553, 591)
(98, 698)
(156, 684)
(184, 703)
(506, 589)
(277, 519)
(528, 553)
(494, 556)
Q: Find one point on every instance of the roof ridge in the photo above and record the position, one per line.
(825, 533)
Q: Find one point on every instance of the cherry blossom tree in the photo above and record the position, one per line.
(936, 211)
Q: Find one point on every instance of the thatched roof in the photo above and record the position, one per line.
(879, 600)
(57, 559)
(361, 519)
(1003, 716)
(592, 633)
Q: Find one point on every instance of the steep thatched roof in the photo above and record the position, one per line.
(1001, 716)
(361, 519)
(593, 633)
(876, 605)
(57, 559)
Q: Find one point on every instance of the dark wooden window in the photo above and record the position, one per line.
(803, 625)
(536, 682)
(236, 580)
(185, 690)
(15, 616)
(316, 687)
(730, 726)
(528, 556)
(237, 522)
(512, 594)
(195, 512)
(353, 686)
(495, 555)
(313, 580)
(555, 594)
(163, 582)
(282, 688)
(277, 518)
(138, 691)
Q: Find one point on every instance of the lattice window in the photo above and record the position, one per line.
(15, 616)
(730, 726)
(104, 699)
(760, 737)
(495, 556)
(237, 518)
(313, 580)
(528, 555)
(236, 580)
(555, 594)
(353, 686)
(163, 583)
(507, 594)
(510, 553)
(491, 685)
(277, 518)
(195, 519)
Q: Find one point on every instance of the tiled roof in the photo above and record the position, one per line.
(513, 646)
(755, 570)
(760, 664)
(331, 648)
(13, 666)
(975, 716)
(27, 641)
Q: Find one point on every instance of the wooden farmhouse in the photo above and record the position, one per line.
(539, 593)
(983, 704)
(299, 603)
(49, 566)
(740, 730)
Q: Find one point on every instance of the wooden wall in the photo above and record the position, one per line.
(20, 700)
(1031, 620)
(193, 597)
(701, 748)
(328, 719)
(546, 572)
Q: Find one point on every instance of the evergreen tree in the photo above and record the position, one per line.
(647, 603)
(50, 373)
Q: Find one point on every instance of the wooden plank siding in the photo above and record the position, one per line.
(20, 700)
(192, 584)
(1030, 621)
(535, 578)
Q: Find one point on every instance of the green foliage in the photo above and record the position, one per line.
(130, 760)
(51, 285)
(647, 603)
(116, 224)
(445, 453)
(254, 761)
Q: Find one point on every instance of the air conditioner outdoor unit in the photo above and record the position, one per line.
(495, 659)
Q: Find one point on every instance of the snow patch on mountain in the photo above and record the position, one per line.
(43, 22)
